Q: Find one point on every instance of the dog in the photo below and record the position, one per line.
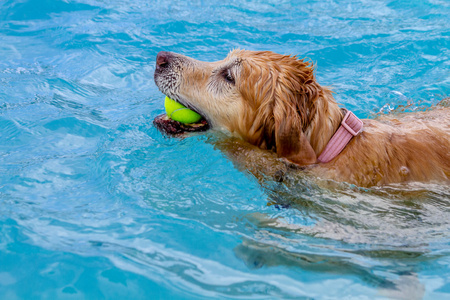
(275, 103)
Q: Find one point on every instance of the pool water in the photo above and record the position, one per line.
(95, 203)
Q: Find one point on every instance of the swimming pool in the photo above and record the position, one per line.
(96, 203)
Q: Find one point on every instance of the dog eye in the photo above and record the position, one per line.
(228, 76)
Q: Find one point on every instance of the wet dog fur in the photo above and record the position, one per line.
(275, 103)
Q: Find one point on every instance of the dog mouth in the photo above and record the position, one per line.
(167, 79)
(175, 128)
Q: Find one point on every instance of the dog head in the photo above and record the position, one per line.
(270, 100)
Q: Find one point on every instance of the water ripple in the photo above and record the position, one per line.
(96, 203)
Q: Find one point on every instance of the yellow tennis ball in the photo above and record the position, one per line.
(176, 111)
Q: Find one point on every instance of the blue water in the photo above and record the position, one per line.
(96, 204)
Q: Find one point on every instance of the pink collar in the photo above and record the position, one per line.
(350, 126)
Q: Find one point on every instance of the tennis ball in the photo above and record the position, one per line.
(180, 113)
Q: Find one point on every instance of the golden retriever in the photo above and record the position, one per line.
(274, 102)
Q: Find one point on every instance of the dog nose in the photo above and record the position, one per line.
(163, 59)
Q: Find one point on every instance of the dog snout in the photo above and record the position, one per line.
(163, 59)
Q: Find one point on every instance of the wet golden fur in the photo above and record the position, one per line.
(274, 102)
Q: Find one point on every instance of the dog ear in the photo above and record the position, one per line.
(290, 140)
